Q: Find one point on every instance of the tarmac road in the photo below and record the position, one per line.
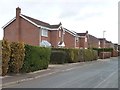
(96, 74)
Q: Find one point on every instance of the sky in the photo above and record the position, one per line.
(94, 16)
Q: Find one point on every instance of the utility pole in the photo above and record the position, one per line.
(103, 42)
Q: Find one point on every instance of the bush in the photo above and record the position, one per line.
(36, 58)
(17, 57)
(6, 51)
(74, 55)
(57, 57)
(71, 54)
(89, 55)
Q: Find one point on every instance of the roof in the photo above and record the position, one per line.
(81, 34)
(71, 32)
(101, 38)
(93, 38)
(36, 22)
(108, 41)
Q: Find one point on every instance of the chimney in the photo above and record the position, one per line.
(86, 32)
(18, 12)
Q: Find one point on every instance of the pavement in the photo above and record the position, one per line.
(52, 69)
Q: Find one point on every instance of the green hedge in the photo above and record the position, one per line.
(36, 58)
(89, 55)
(61, 55)
(99, 50)
(73, 55)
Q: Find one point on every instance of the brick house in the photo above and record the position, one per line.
(88, 41)
(32, 31)
(109, 44)
(71, 39)
(102, 42)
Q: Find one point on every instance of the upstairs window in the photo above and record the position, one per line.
(59, 33)
(44, 32)
(85, 39)
(77, 39)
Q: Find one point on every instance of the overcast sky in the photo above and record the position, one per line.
(77, 15)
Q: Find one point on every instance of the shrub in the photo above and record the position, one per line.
(75, 55)
(17, 57)
(5, 56)
(36, 58)
(57, 57)
(89, 55)
(71, 54)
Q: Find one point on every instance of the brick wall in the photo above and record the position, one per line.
(82, 43)
(69, 40)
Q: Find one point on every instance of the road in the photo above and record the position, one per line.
(95, 74)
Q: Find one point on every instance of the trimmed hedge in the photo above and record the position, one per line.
(90, 55)
(6, 51)
(61, 55)
(16, 57)
(36, 58)
(99, 50)
(72, 55)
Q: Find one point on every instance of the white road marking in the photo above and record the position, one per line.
(105, 79)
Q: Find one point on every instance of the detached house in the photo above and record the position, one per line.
(71, 39)
(32, 31)
(88, 41)
(109, 44)
(102, 42)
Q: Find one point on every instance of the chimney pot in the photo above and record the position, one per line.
(18, 11)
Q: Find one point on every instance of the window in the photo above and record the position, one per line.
(45, 43)
(77, 39)
(44, 32)
(85, 39)
(99, 43)
(59, 33)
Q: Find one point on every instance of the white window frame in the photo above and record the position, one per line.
(77, 39)
(85, 39)
(59, 32)
(44, 32)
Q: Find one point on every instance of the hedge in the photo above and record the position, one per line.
(36, 58)
(61, 55)
(6, 51)
(99, 50)
(16, 57)
(90, 55)
(72, 55)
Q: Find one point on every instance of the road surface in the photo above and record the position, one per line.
(95, 74)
